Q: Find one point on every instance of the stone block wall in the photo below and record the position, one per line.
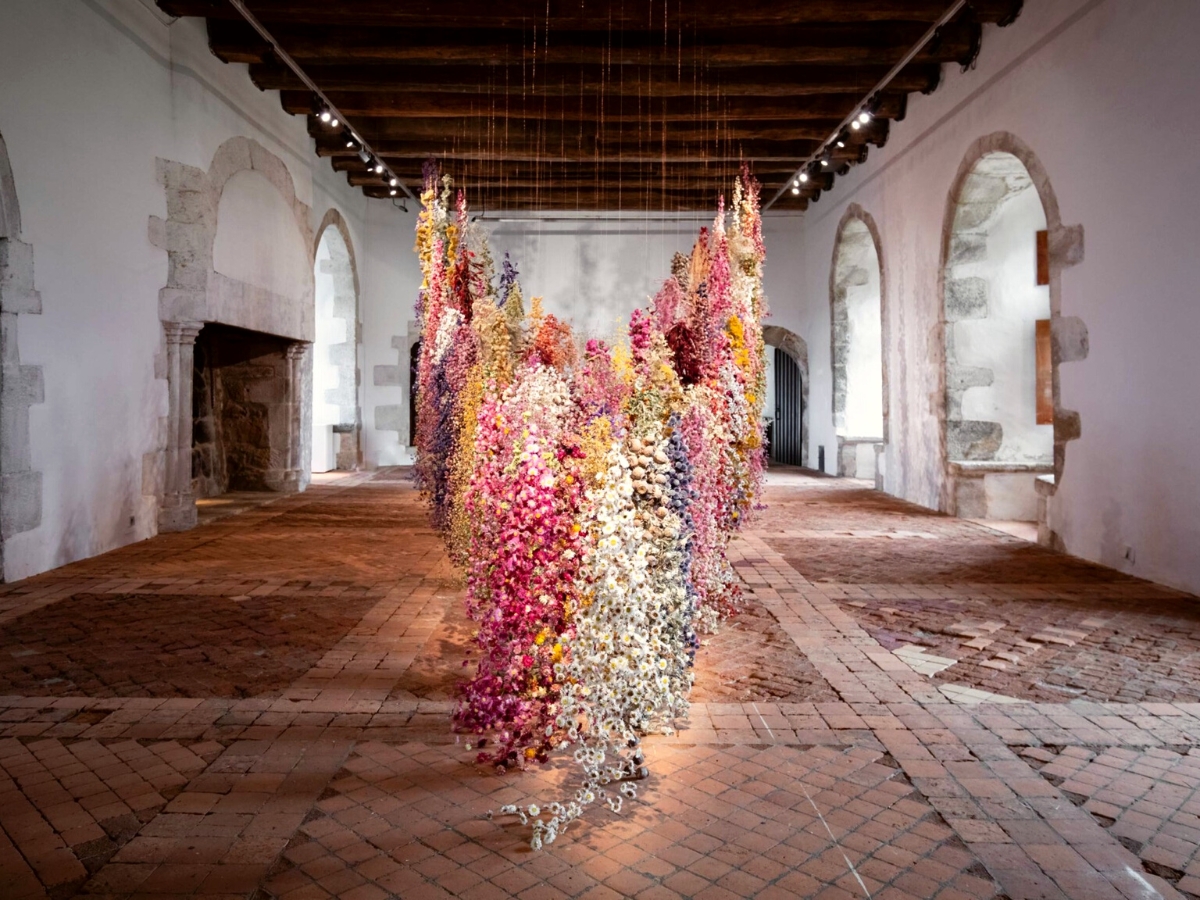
(21, 386)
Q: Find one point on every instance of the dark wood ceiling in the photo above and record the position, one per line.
(596, 104)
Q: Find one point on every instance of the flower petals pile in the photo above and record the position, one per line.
(590, 492)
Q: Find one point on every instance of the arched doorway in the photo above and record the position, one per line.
(856, 335)
(1004, 430)
(336, 376)
(786, 406)
(787, 400)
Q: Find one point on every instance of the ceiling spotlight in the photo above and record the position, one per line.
(394, 182)
(333, 123)
(349, 143)
(795, 190)
(824, 160)
(864, 117)
(855, 125)
(378, 168)
(841, 143)
(326, 116)
(804, 176)
(364, 155)
(393, 193)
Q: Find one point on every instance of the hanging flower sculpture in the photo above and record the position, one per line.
(590, 494)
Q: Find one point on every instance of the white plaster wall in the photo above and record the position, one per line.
(1089, 85)
(1011, 496)
(391, 278)
(257, 239)
(1005, 341)
(784, 276)
(864, 461)
(91, 93)
(593, 273)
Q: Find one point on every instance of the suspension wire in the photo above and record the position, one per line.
(287, 60)
(883, 83)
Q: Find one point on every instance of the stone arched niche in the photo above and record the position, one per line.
(336, 378)
(21, 386)
(857, 345)
(258, 242)
(245, 259)
(795, 347)
(999, 462)
(240, 264)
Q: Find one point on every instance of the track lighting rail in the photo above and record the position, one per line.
(863, 112)
(330, 114)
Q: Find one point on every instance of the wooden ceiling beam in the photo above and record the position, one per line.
(398, 155)
(509, 173)
(570, 15)
(597, 105)
(574, 81)
(774, 152)
(833, 45)
(392, 144)
(583, 200)
(389, 104)
(627, 184)
(584, 133)
(631, 181)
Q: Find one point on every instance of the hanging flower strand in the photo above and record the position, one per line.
(590, 495)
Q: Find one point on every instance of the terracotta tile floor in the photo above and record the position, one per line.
(260, 708)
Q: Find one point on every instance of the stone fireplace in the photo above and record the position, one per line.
(244, 418)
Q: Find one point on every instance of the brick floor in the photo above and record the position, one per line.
(752, 658)
(261, 708)
(719, 821)
(1018, 620)
(1148, 799)
(178, 645)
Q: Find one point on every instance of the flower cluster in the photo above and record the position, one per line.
(589, 493)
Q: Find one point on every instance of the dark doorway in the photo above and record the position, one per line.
(414, 364)
(786, 435)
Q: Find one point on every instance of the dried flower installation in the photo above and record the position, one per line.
(590, 493)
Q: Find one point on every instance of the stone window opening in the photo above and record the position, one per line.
(857, 351)
(1003, 461)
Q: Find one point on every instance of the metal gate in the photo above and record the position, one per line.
(786, 443)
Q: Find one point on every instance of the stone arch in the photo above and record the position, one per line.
(1069, 336)
(333, 235)
(21, 386)
(858, 261)
(196, 294)
(795, 347)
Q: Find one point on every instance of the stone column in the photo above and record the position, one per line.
(293, 479)
(178, 510)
